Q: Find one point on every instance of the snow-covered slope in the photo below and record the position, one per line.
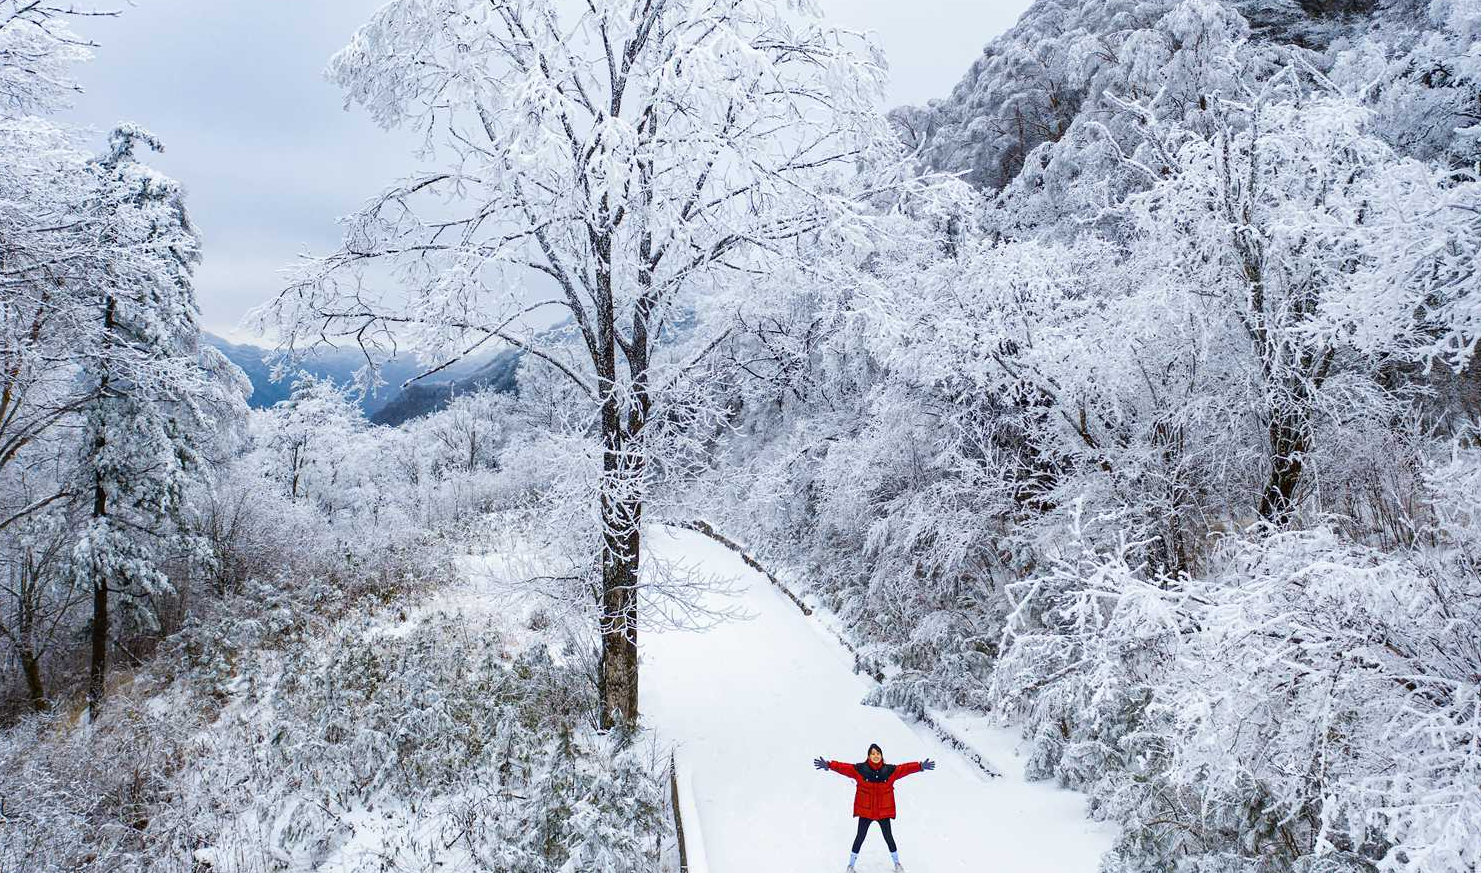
(1036, 81)
(750, 703)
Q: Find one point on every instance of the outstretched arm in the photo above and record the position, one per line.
(844, 769)
(909, 767)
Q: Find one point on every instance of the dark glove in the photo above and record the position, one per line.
(928, 764)
(820, 763)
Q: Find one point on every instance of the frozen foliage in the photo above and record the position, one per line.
(630, 167)
(140, 398)
(304, 707)
(38, 50)
(1159, 437)
(356, 483)
(1046, 80)
(347, 733)
(1164, 443)
(1313, 699)
(251, 580)
(107, 402)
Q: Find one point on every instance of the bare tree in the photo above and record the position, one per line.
(629, 164)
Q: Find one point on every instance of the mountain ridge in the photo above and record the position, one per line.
(390, 404)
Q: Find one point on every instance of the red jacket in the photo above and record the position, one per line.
(874, 794)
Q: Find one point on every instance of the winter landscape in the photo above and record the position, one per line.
(693, 449)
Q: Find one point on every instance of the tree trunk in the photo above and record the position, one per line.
(621, 515)
(619, 668)
(34, 688)
(30, 664)
(1287, 445)
(98, 668)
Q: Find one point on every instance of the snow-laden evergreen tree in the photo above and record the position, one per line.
(96, 316)
(143, 379)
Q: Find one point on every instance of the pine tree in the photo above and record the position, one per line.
(143, 376)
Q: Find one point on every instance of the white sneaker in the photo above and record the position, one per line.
(899, 868)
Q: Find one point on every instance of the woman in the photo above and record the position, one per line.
(874, 794)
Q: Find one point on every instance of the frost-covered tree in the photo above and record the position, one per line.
(631, 164)
(38, 49)
(39, 595)
(310, 432)
(1291, 218)
(53, 250)
(472, 429)
(143, 379)
(1421, 74)
(1165, 415)
(1044, 81)
(99, 357)
(1175, 63)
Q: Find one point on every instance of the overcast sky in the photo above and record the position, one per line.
(268, 154)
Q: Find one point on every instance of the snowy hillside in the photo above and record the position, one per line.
(1046, 78)
(1107, 433)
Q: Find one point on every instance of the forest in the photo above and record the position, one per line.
(1127, 397)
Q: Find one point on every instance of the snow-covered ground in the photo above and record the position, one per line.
(750, 704)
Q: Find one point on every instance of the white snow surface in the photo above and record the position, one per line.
(750, 703)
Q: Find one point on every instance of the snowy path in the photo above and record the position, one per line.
(750, 704)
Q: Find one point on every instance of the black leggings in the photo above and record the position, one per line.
(884, 825)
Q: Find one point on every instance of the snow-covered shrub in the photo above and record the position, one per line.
(355, 736)
(892, 527)
(254, 530)
(1456, 488)
(96, 798)
(1342, 684)
(1314, 700)
(402, 725)
(1089, 640)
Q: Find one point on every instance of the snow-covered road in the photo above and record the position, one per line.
(750, 703)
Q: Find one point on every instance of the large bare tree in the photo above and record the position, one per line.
(629, 164)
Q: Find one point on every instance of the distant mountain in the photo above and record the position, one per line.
(341, 364)
(423, 398)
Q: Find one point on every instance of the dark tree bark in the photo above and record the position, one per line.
(30, 663)
(618, 681)
(98, 667)
(34, 687)
(621, 515)
(1288, 443)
